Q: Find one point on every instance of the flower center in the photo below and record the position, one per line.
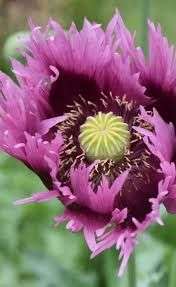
(104, 136)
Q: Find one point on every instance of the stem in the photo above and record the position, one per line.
(132, 271)
(172, 277)
(145, 15)
(99, 266)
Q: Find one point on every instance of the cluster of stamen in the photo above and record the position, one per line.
(102, 133)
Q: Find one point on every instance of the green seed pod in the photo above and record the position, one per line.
(104, 136)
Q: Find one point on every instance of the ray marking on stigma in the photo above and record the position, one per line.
(104, 136)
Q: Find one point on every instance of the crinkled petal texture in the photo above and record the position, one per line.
(20, 131)
(167, 156)
(157, 72)
(162, 143)
(158, 75)
(60, 67)
(97, 214)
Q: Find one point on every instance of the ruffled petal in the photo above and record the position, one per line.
(162, 141)
(38, 197)
(125, 239)
(101, 201)
(169, 170)
(78, 221)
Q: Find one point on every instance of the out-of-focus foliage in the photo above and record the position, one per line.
(32, 252)
(14, 45)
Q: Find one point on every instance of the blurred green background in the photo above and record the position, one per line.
(32, 252)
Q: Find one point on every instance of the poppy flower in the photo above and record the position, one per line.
(77, 118)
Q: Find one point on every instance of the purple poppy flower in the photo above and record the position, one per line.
(75, 119)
